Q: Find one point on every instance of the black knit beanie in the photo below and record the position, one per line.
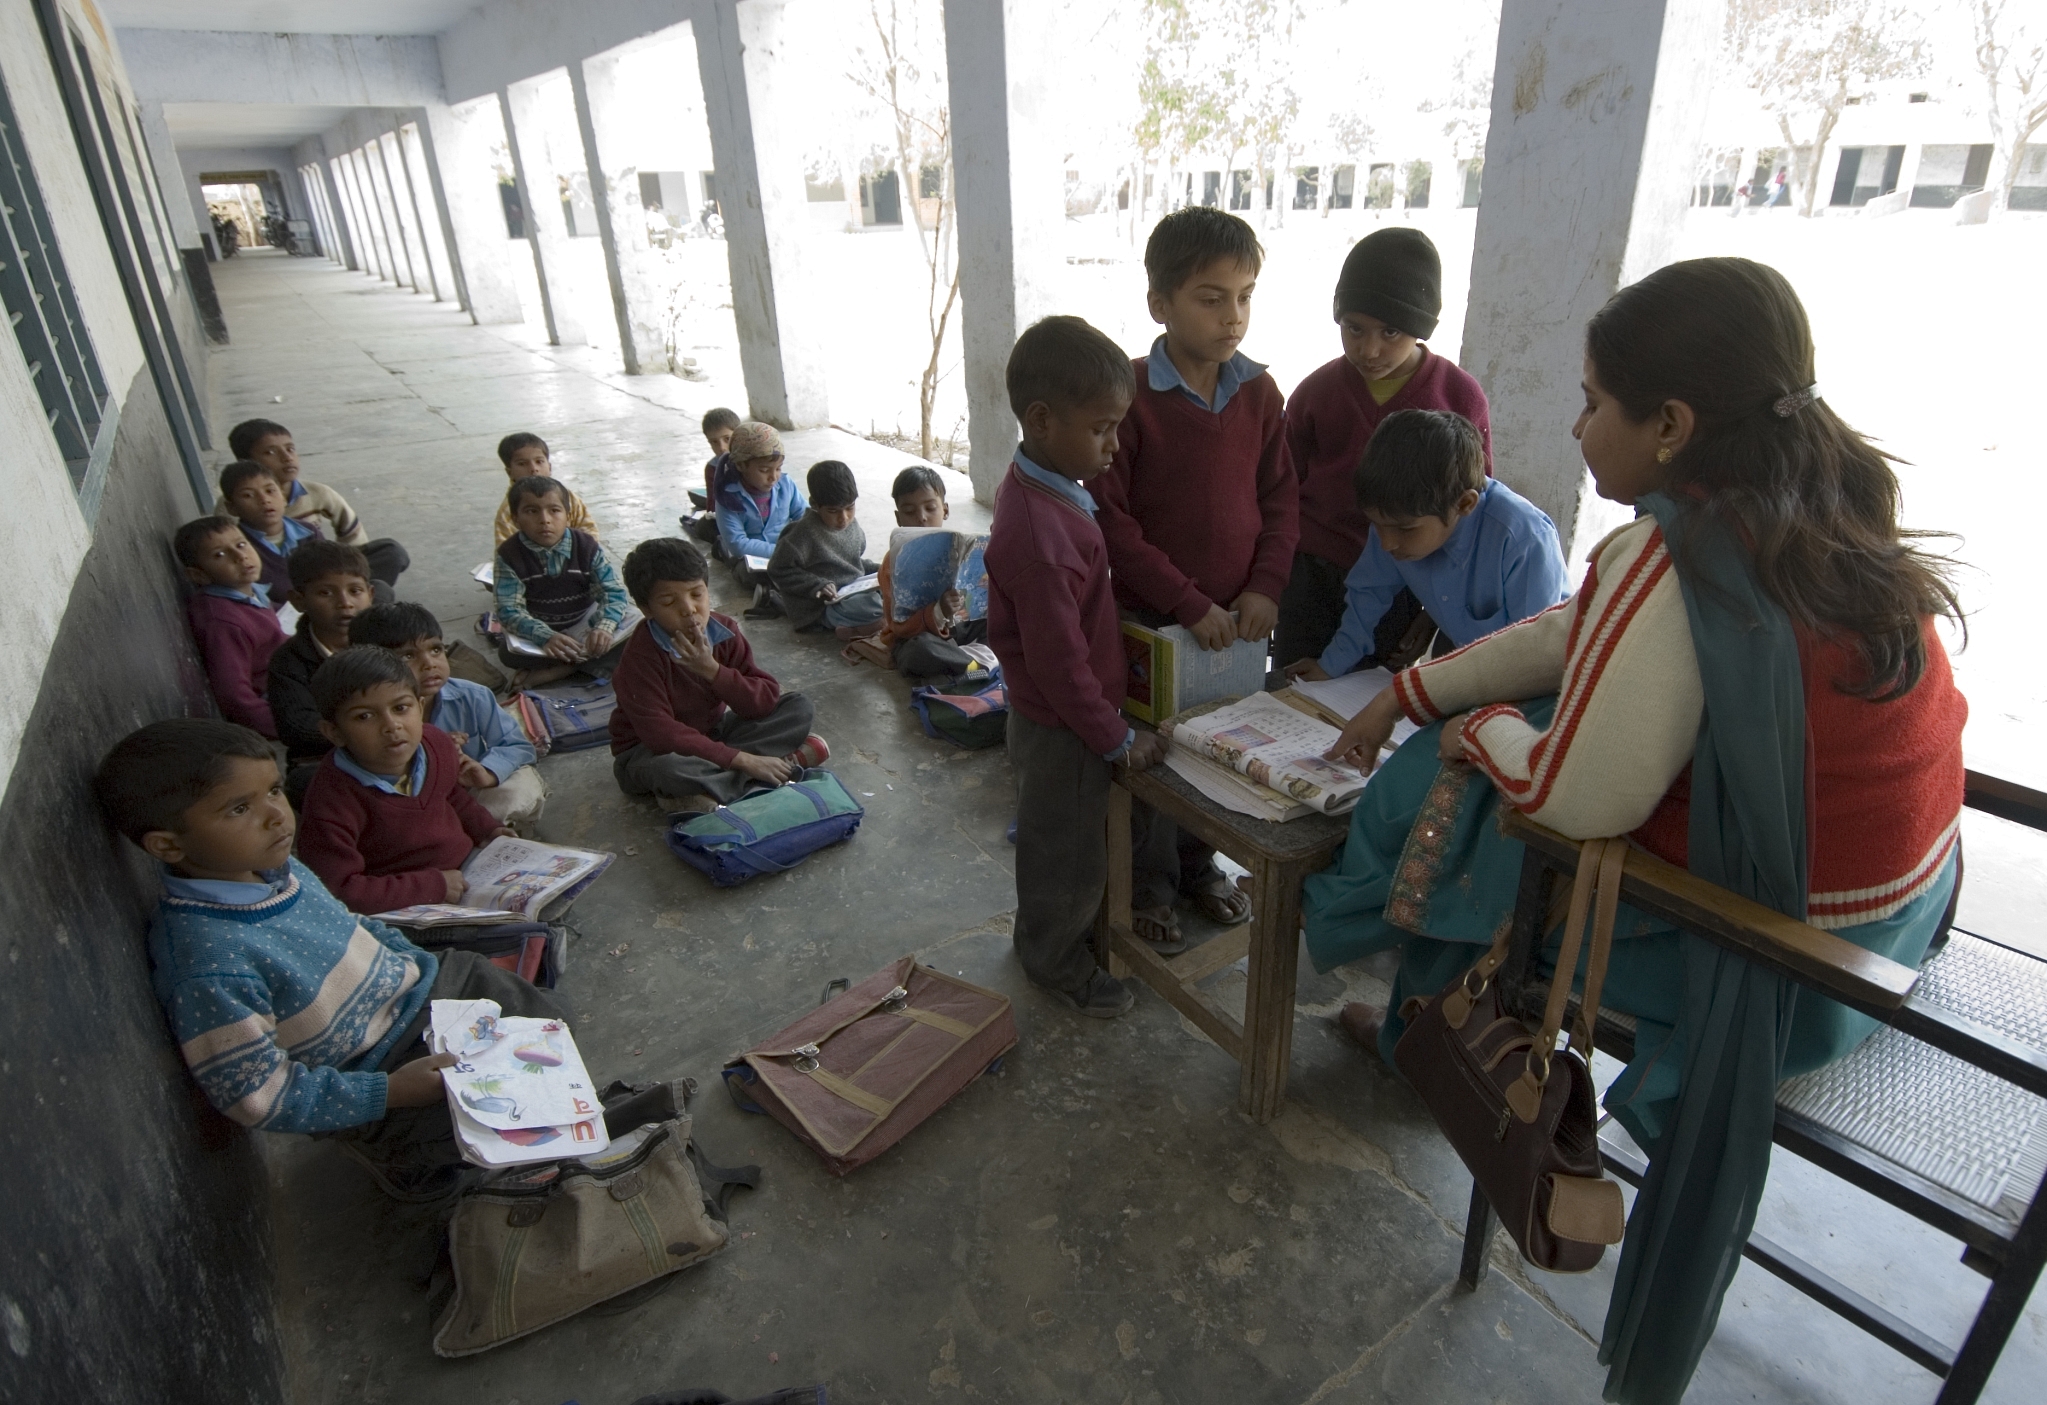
(1396, 276)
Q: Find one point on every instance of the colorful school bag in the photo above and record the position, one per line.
(567, 716)
(974, 718)
(770, 831)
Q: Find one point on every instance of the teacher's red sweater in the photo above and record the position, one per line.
(1329, 420)
(376, 851)
(1199, 507)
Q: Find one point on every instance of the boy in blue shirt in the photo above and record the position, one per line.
(252, 495)
(293, 1013)
(496, 755)
(754, 501)
(1476, 554)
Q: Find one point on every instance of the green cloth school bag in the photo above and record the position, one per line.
(770, 831)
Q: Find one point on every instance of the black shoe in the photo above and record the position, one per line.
(1103, 997)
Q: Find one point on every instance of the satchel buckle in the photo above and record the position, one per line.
(806, 1058)
(896, 1001)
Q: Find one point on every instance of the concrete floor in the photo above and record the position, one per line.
(1098, 1223)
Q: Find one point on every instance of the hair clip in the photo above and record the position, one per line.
(1784, 407)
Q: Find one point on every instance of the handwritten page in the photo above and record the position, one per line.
(1349, 695)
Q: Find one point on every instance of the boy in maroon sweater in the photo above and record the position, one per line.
(386, 822)
(698, 722)
(1201, 508)
(1388, 298)
(1052, 622)
(231, 618)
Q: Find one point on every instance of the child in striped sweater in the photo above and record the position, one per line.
(294, 1014)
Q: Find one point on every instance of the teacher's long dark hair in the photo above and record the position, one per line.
(1819, 502)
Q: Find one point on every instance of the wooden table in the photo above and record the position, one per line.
(1279, 857)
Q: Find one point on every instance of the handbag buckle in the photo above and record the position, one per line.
(896, 1001)
(806, 1058)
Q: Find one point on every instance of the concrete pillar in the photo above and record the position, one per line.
(760, 194)
(544, 228)
(372, 217)
(387, 198)
(411, 154)
(1009, 181)
(457, 143)
(337, 206)
(400, 175)
(170, 177)
(639, 301)
(1598, 115)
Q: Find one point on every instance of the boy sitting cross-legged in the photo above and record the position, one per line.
(927, 644)
(330, 585)
(698, 722)
(294, 1014)
(1201, 511)
(231, 619)
(1052, 621)
(1475, 553)
(822, 551)
(386, 822)
(497, 759)
(555, 587)
(525, 456)
(252, 495)
(270, 444)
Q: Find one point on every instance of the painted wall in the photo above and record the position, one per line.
(134, 1257)
(323, 70)
(512, 40)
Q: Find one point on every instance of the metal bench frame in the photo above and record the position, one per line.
(1884, 990)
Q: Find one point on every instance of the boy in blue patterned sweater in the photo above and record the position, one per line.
(294, 1014)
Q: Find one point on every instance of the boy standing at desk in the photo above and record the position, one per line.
(1052, 622)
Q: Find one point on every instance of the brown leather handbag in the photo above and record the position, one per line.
(1518, 1110)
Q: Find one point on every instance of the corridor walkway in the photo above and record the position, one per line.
(1096, 1224)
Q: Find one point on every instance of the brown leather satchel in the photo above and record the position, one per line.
(1518, 1110)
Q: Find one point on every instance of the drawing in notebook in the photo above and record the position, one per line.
(518, 1090)
(509, 880)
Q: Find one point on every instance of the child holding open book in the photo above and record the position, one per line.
(926, 643)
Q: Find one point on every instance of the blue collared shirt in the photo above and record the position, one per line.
(713, 631)
(1059, 483)
(1502, 564)
(352, 767)
(224, 891)
(489, 733)
(257, 594)
(1161, 374)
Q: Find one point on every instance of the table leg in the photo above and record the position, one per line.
(1116, 893)
(1269, 998)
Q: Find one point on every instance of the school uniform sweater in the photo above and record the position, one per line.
(305, 501)
(236, 638)
(1884, 780)
(290, 691)
(283, 1006)
(1052, 613)
(670, 710)
(377, 851)
(1329, 420)
(1199, 507)
(810, 555)
(276, 556)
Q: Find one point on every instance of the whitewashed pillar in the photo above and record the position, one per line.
(542, 203)
(457, 142)
(638, 299)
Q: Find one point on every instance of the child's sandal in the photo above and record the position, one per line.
(1220, 900)
(1158, 929)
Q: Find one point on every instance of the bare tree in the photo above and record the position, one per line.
(905, 72)
(2011, 52)
(1808, 59)
(1178, 110)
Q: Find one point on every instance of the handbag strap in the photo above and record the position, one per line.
(1613, 860)
(1600, 862)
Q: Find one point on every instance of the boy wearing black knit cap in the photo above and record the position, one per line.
(1388, 299)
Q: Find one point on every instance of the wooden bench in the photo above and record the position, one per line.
(1942, 1112)
(1279, 856)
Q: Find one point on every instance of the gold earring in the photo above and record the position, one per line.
(1663, 455)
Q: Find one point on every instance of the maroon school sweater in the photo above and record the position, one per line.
(376, 851)
(235, 643)
(1329, 420)
(1199, 507)
(668, 709)
(1052, 614)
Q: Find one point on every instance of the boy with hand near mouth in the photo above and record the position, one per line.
(386, 821)
(1201, 511)
(927, 644)
(230, 617)
(252, 495)
(294, 1014)
(1476, 554)
(1388, 298)
(496, 761)
(330, 586)
(525, 456)
(698, 722)
(555, 587)
(822, 551)
(1052, 621)
(270, 444)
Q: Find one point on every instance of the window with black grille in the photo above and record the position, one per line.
(43, 308)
